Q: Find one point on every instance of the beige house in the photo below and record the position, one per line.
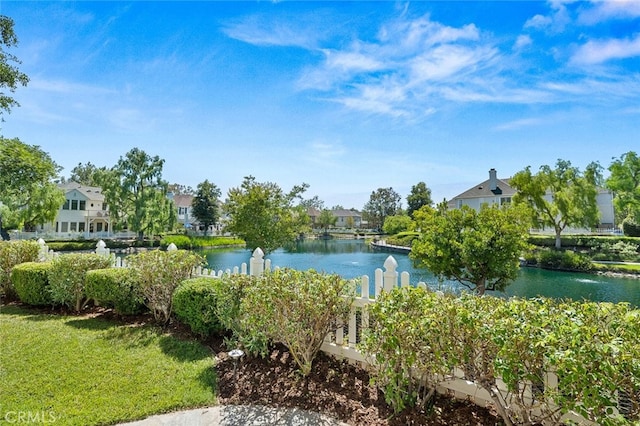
(84, 213)
(345, 218)
(498, 191)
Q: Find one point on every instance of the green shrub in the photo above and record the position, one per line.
(181, 242)
(297, 308)
(67, 277)
(114, 287)
(231, 292)
(13, 253)
(31, 283)
(195, 242)
(630, 228)
(564, 260)
(159, 273)
(195, 302)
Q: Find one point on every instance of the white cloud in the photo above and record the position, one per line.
(518, 124)
(274, 32)
(599, 51)
(606, 10)
(556, 22)
(522, 41)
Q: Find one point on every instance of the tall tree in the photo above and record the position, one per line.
(263, 215)
(87, 174)
(10, 75)
(179, 189)
(206, 204)
(326, 219)
(624, 181)
(28, 195)
(136, 193)
(480, 250)
(383, 202)
(312, 203)
(420, 196)
(559, 197)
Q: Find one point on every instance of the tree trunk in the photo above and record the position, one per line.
(140, 235)
(481, 287)
(558, 239)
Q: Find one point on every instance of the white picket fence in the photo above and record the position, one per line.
(343, 341)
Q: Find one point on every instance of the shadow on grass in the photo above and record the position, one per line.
(90, 324)
(29, 313)
(184, 350)
(209, 378)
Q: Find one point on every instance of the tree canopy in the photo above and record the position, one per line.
(480, 250)
(326, 219)
(10, 75)
(206, 204)
(263, 215)
(383, 202)
(137, 195)
(420, 196)
(559, 197)
(28, 195)
(87, 174)
(624, 181)
(397, 223)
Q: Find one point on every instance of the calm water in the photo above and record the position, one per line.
(353, 258)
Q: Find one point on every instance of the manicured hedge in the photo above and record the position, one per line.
(31, 283)
(13, 253)
(194, 303)
(114, 287)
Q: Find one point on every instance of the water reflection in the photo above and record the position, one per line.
(354, 258)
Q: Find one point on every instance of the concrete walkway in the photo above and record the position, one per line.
(238, 415)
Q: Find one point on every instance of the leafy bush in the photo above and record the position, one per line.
(114, 287)
(593, 349)
(195, 304)
(31, 283)
(402, 340)
(396, 224)
(564, 260)
(67, 277)
(13, 253)
(195, 242)
(630, 228)
(402, 239)
(159, 273)
(297, 308)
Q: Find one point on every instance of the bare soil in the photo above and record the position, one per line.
(335, 388)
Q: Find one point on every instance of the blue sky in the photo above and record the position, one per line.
(345, 96)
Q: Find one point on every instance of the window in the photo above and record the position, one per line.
(505, 200)
(73, 227)
(64, 227)
(65, 206)
(81, 226)
(99, 227)
(182, 210)
(74, 204)
(83, 205)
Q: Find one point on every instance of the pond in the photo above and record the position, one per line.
(354, 258)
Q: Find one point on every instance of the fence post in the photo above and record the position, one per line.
(43, 251)
(256, 264)
(172, 247)
(101, 248)
(390, 276)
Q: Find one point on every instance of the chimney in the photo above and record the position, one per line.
(493, 180)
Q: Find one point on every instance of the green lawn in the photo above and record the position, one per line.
(87, 371)
(618, 266)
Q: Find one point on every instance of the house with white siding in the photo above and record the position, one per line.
(498, 191)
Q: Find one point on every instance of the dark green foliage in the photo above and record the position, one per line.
(563, 260)
(67, 277)
(630, 228)
(31, 283)
(114, 287)
(195, 302)
(13, 253)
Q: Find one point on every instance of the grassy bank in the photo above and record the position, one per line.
(89, 371)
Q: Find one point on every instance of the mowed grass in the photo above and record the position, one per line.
(88, 371)
(618, 266)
